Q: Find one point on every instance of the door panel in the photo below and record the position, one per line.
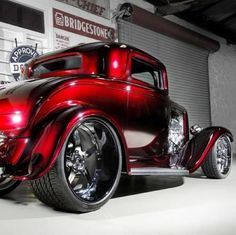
(147, 126)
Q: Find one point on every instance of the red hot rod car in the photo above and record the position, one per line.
(86, 114)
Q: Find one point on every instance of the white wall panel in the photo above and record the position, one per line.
(222, 71)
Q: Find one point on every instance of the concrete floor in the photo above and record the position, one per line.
(142, 205)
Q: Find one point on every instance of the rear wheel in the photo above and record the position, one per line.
(219, 162)
(87, 171)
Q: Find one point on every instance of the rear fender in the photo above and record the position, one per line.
(48, 147)
(197, 149)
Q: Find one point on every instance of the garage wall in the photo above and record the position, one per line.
(222, 72)
(8, 34)
(53, 38)
(222, 79)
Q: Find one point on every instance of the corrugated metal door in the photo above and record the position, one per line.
(187, 68)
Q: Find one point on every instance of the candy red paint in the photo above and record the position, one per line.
(38, 113)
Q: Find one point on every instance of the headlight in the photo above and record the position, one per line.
(4, 145)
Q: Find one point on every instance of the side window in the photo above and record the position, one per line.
(70, 62)
(146, 73)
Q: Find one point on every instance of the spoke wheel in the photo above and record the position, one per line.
(87, 171)
(90, 168)
(219, 162)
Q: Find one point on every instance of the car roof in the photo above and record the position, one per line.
(94, 46)
(86, 47)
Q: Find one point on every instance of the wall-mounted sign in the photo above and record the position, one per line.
(97, 7)
(18, 57)
(61, 40)
(74, 24)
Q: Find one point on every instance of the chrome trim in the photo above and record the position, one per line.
(3, 138)
(157, 171)
(4, 145)
(195, 129)
(223, 154)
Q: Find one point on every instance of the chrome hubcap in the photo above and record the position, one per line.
(91, 160)
(224, 156)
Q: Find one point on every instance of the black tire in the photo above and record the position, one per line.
(219, 161)
(7, 185)
(87, 171)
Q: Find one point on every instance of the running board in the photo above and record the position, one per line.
(157, 171)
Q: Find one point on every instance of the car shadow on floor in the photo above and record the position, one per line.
(23, 194)
(131, 185)
(128, 185)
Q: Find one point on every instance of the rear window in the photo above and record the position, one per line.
(66, 63)
(146, 73)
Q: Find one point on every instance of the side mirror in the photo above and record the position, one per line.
(195, 129)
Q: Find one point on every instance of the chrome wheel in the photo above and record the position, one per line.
(223, 154)
(87, 171)
(219, 161)
(92, 160)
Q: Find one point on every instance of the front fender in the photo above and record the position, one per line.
(197, 149)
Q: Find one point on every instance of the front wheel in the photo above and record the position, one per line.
(87, 171)
(219, 161)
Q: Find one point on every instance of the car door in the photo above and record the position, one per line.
(148, 112)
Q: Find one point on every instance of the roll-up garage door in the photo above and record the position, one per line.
(187, 68)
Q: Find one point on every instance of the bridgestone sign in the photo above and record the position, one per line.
(74, 24)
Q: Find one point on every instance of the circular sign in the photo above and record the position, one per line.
(18, 58)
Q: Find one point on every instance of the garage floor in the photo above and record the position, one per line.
(142, 205)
